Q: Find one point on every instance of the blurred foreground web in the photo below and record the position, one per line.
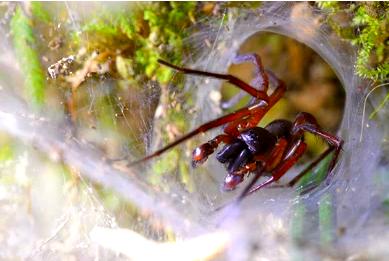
(45, 219)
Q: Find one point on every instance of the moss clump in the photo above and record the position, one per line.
(24, 43)
(142, 32)
(135, 36)
(365, 25)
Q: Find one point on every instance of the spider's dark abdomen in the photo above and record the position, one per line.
(258, 140)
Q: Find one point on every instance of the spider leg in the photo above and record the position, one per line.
(257, 111)
(256, 82)
(230, 78)
(296, 179)
(261, 80)
(296, 151)
(244, 112)
(306, 122)
(310, 167)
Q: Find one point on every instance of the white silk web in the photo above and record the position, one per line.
(266, 225)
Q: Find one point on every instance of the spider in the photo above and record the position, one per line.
(270, 151)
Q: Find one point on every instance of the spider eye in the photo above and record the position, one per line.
(231, 181)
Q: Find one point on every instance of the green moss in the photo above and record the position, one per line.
(24, 43)
(145, 32)
(244, 4)
(329, 5)
(143, 35)
(366, 26)
(375, 30)
(168, 164)
(39, 12)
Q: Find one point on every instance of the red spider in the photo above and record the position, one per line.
(269, 151)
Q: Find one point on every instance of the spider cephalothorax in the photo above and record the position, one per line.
(269, 151)
(245, 150)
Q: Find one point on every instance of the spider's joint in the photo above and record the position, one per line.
(260, 104)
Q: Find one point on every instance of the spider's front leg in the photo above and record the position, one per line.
(258, 94)
(293, 155)
(258, 109)
(260, 82)
(305, 122)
